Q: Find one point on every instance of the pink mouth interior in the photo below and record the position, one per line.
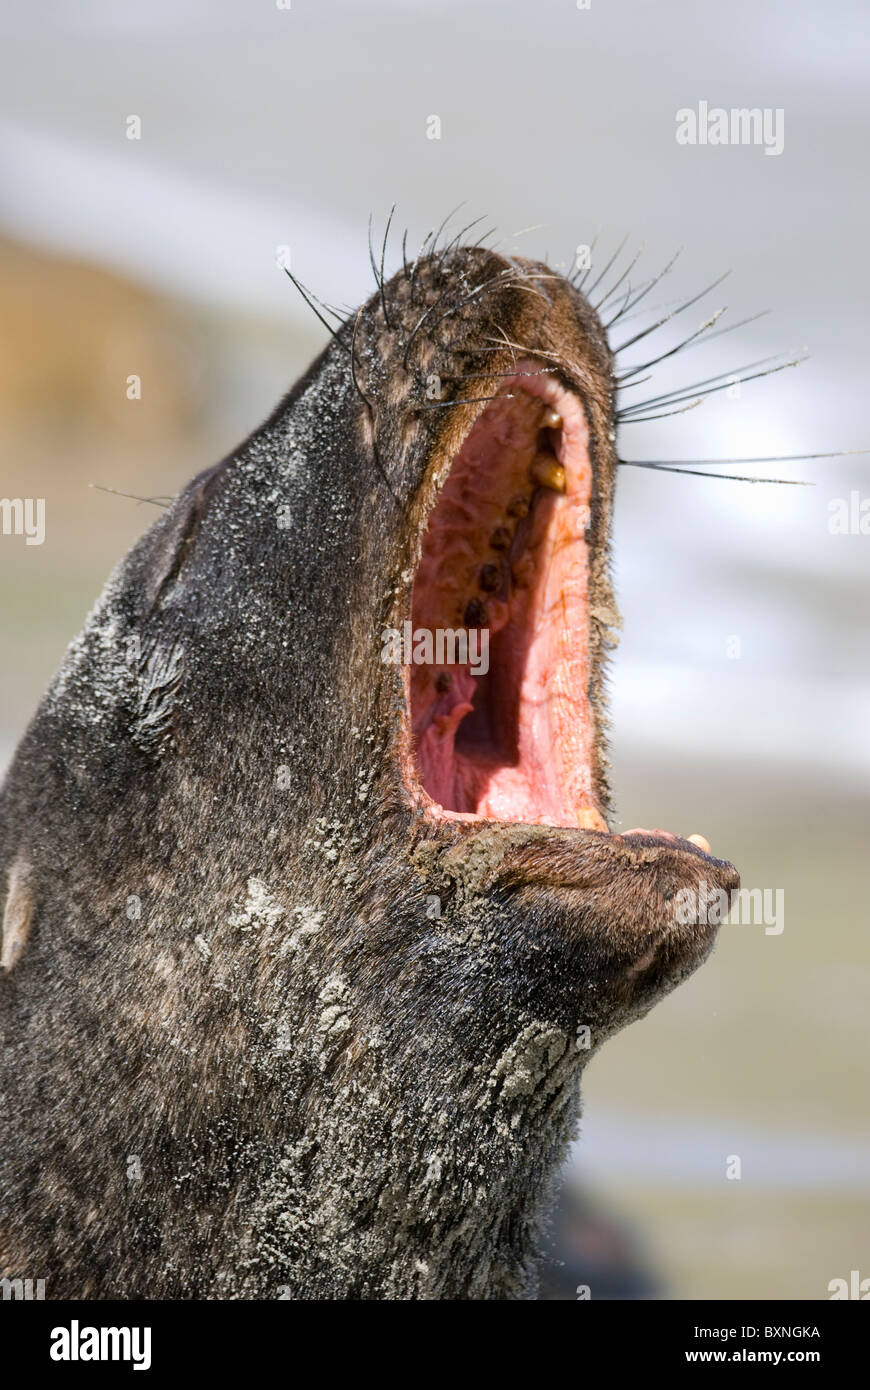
(506, 552)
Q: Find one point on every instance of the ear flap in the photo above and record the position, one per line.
(17, 914)
(159, 663)
(173, 544)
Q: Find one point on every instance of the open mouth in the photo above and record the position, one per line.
(509, 733)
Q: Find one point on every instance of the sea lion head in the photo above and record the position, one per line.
(482, 398)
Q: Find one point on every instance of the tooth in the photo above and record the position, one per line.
(590, 819)
(551, 420)
(546, 471)
(700, 842)
(500, 538)
(475, 614)
(518, 507)
(489, 578)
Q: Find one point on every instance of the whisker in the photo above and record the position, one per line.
(305, 295)
(601, 275)
(506, 342)
(741, 323)
(341, 315)
(686, 305)
(372, 253)
(460, 234)
(444, 223)
(649, 308)
(661, 415)
(379, 278)
(133, 496)
(731, 379)
(722, 477)
(415, 330)
(471, 400)
(364, 398)
(644, 366)
(645, 291)
(417, 259)
(631, 384)
(769, 458)
(625, 301)
(629, 268)
(475, 245)
(470, 376)
(383, 257)
(729, 328)
(513, 235)
(520, 347)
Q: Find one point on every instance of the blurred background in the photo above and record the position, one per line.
(740, 688)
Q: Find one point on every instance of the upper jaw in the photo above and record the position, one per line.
(570, 372)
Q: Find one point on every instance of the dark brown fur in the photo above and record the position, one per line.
(236, 973)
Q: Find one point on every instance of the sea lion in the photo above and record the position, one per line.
(305, 949)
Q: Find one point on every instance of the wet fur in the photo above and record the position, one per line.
(234, 969)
